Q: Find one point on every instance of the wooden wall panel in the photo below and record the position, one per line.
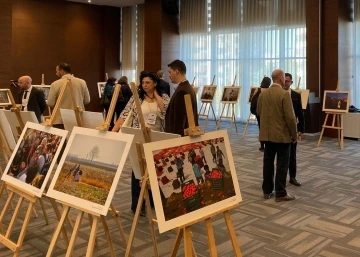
(5, 42)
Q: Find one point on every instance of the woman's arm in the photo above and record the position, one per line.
(118, 125)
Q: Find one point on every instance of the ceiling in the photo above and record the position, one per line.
(116, 3)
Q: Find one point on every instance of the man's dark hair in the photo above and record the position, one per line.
(178, 65)
(65, 67)
(288, 75)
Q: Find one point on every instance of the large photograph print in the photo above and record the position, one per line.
(34, 157)
(230, 95)
(90, 169)
(208, 93)
(45, 89)
(101, 87)
(191, 178)
(336, 101)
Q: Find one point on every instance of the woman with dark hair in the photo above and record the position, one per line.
(124, 96)
(108, 92)
(154, 103)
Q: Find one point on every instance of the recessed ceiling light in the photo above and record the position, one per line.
(89, 1)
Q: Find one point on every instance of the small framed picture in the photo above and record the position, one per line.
(253, 90)
(336, 101)
(230, 94)
(45, 89)
(208, 93)
(101, 87)
(4, 97)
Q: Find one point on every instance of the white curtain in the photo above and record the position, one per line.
(247, 38)
(356, 88)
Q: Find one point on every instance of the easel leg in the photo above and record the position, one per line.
(212, 109)
(202, 105)
(5, 210)
(58, 216)
(118, 223)
(74, 234)
(14, 217)
(179, 236)
(207, 115)
(92, 238)
(211, 238)
(246, 126)
(188, 245)
(59, 228)
(108, 237)
(342, 131)
(232, 234)
(222, 112)
(338, 125)
(149, 214)
(322, 130)
(233, 117)
(90, 224)
(44, 211)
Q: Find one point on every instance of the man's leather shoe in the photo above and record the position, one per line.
(268, 196)
(287, 197)
(294, 182)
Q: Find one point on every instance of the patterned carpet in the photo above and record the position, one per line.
(324, 220)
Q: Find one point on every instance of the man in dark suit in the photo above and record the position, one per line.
(278, 131)
(31, 98)
(163, 84)
(297, 106)
(176, 119)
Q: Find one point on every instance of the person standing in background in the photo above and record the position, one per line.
(163, 84)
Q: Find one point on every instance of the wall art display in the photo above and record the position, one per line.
(45, 89)
(34, 157)
(90, 169)
(26, 116)
(304, 97)
(253, 90)
(191, 178)
(230, 94)
(101, 87)
(336, 101)
(208, 93)
(139, 138)
(4, 97)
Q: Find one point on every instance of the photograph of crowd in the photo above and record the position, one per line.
(45, 89)
(336, 101)
(252, 92)
(230, 94)
(4, 98)
(33, 157)
(90, 169)
(101, 87)
(193, 176)
(208, 93)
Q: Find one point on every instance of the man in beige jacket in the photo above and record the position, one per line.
(278, 131)
(80, 90)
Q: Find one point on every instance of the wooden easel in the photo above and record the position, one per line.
(106, 124)
(205, 108)
(184, 230)
(339, 126)
(93, 217)
(251, 118)
(144, 184)
(232, 117)
(43, 84)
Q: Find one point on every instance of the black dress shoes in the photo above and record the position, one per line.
(294, 182)
(287, 197)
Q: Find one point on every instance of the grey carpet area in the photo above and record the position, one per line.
(324, 220)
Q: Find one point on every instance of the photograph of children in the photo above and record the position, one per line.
(34, 156)
(90, 168)
(208, 93)
(45, 89)
(191, 177)
(4, 97)
(252, 92)
(101, 87)
(230, 95)
(336, 101)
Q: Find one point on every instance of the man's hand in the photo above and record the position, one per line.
(299, 134)
(294, 141)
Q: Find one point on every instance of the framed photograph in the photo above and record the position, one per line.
(336, 101)
(304, 96)
(90, 169)
(196, 90)
(191, 178)
(89, 119)
(230, 95)
(101, 87)
(138, 134)
(26, 116)
(208, 93)
(34, 157)
(5, 126)
(253, 90)
(45, 89)
(4, 97)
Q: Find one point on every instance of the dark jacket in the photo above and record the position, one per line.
(296, 101)
(165, 86)
(36, 103)
(176, 119)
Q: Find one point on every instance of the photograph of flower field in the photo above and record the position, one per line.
(193, 176)
(88, 172)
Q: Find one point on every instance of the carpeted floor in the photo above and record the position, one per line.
(324, 220)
